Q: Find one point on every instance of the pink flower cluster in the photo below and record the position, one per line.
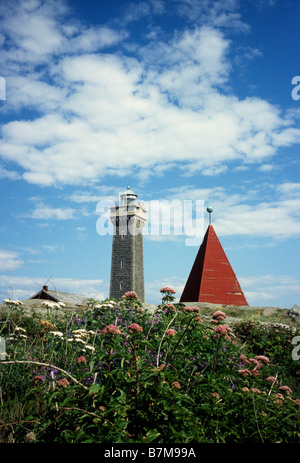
(272, 380)
(135, 327)
(112, 329)
(191, 309)
(63, 382)
(167, 289)
(286, 389)
(262, 358)
(259, 360)
(38, 378)
(130, 295)
(222, 330)
(170, 332)
(246, 372)
(278, 398)
(218, 316)
(169, 305)
(176, 384)
(81, 359)
(255, 390)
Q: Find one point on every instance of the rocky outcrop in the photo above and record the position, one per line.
(294, 313)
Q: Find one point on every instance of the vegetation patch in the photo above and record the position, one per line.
(118, 373)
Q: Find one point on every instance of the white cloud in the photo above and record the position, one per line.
(9, 260)
(214, 12)
(44, 212)
(12, 175)
(103, 113)
(86, 197)
(243, 213)
(31, 92)
(176, 216)
(92, 39)
(277, 220)
(187, 67)
(35, 30)
(267, 167)
(269, 288)
(291, 189)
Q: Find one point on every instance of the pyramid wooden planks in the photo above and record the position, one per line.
(211, 278)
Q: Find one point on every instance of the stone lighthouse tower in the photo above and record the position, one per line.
(127, 261)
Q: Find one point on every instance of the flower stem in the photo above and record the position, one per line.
(5, 362)
(159, 347)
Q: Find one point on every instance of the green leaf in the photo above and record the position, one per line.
(151, 436)
(94, 389)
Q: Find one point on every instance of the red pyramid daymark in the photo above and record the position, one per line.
(212, 278)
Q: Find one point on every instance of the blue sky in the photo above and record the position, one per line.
(183, 100)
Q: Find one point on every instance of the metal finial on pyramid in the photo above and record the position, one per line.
(209, 210)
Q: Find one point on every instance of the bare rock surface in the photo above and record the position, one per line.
(294, 313)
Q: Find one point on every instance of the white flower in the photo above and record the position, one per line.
(51, 305)
(82, 333)
(90, 348)
(9, 301)
(18, 328)
(56, 333)
(97, 306)
(79, 340)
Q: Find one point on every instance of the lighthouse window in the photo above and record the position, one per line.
(121, 264)
(121, 285)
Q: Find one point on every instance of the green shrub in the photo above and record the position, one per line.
(118, 373)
